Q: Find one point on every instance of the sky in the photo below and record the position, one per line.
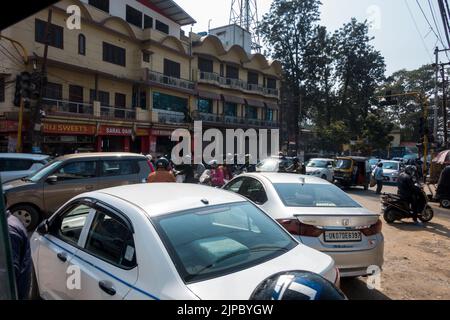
(401, 31)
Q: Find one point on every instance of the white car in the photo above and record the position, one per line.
(320, 215)
(20, 165)
(322, 168)
(391, 170)
(164, 241)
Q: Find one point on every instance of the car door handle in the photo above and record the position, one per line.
(62, 256)
(107, 287)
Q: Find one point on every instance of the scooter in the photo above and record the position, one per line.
(395, 208)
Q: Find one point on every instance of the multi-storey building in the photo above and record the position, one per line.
(130, 76)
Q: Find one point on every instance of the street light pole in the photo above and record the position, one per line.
(436, 93)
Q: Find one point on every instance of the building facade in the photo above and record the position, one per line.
(130, 76)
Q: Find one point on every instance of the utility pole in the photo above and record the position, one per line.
(444, 103)
(436, 92)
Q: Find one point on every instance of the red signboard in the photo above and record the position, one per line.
(155, 132)
(68, 128)
(115, 131)
(9, 126)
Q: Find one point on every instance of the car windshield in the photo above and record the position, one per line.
(373, 162)
(343, 164)
(313, 195)
(47, 169)
(390, 165)
(317, 163)
(211, 242)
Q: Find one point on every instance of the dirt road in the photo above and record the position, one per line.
(416, 257)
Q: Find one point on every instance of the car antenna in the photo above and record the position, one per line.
(302, 180)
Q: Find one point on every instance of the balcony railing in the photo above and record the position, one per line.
(170, 117)
(211, 77)
(117, 113)
(170, 81)
(52, 106)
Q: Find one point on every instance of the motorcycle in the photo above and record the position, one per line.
(395, 208)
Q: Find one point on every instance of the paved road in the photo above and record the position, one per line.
(417, 257)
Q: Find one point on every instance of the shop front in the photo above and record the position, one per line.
(8, 135)
(122, 139)
(160, 142)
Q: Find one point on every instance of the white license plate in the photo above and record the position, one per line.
(342, 236)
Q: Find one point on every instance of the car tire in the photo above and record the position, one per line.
(390, 216)
(445, 203)
(34, 290)
(366, 186)
(324, 177)
(27, 214)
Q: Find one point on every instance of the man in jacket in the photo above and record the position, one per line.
(406, 189)
(162, 173)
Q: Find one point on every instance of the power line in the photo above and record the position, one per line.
(434, 19)
(418, 31)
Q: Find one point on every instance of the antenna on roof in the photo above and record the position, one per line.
(244, 13)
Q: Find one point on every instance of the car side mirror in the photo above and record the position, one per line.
(43, 227)
(52, 179)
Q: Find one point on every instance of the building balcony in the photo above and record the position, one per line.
(64, 107)
(166, 81)
(236, 121)
(115, 113)
(237, 84)
(168, 117)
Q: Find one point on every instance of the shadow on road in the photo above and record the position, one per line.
(356, 289)
(432, 227)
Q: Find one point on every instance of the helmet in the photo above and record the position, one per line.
(411, 170)
(149, 157)
(187, 159)
(213, 163)
(297, 285)
(230, 158)
(162, 163)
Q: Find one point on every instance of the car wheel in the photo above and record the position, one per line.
(34, 291)
(390, 216)
(445, 203)
(366, 186)
(324, 177)
(27, 214)
(427, 214)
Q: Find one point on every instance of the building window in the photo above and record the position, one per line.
(205, 65)
(2, 89)
(82, 44)
(120, 100)
(230, 109)
(271, 83)
(143, 99)
(170, 103)
(56, 34)
(76, 93)
(100, 4)
(253, 78)
(134, 16)
(53, 91)
(251, 112)
(232, 72)
(205, 105)
(148, 22)
(222, 72)
(114, 54)
(146, 57)
(162, 27)
(103, 97)
(269, 114)
(171, 68)
(92, 95)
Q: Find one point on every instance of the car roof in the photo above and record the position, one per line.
(382, 161)
(162, 198)
(277, 177)
(101, 155)
(322, 159)
(31, 156)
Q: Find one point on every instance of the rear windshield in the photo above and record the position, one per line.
(211, 242)
(313, 195)
(390, 165)
(317, 163)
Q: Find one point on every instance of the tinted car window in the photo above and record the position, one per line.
(72, 222)
(234, 185)
(110, 239)
(254, 190)
(15, 164)
(119, 167)
(77, 170)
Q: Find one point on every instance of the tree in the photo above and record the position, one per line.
(332, 137)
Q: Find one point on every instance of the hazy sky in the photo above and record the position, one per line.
(396, 36)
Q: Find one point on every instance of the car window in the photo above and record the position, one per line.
(72, 222)
(111, 240)
(7, 287)
(254, 190)
(234, 185)
(226, 238)
(77, 170)
(15, 164)
(119, 167)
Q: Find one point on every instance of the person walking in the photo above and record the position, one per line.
(378, 175)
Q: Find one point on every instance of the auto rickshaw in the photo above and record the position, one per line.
(352, 172)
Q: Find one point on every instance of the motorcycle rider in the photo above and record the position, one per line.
(187, 170)
(216, 174)
(162, 173)
(407, 190)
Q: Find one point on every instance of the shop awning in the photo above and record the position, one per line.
(208, 95)
(255, 103)
(272, 105)
(233, 99)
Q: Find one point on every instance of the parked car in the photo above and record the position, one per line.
(39, 195)
(274, 164)
(319, 215)
(18, 165)
(322, 168)
(165, 241)
(391, 170)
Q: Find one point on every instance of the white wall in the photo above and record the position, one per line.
(233, 34)
(118, 8)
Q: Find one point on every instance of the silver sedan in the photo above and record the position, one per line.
(319, 215)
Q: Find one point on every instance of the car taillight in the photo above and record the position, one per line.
(295, 227)
(373, 229)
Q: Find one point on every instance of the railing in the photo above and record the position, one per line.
(170, 117)
(117, 113)
(210, 117)
(212, 77)
(170, 81)
(52, 106)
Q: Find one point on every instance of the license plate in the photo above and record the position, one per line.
(342, 236)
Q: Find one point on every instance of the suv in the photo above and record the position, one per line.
(18, 165)
(36, 197)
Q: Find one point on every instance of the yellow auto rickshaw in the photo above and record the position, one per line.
(352, 172)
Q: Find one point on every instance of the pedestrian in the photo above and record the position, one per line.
(163, 172)
(378, 175)
(21, 254)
